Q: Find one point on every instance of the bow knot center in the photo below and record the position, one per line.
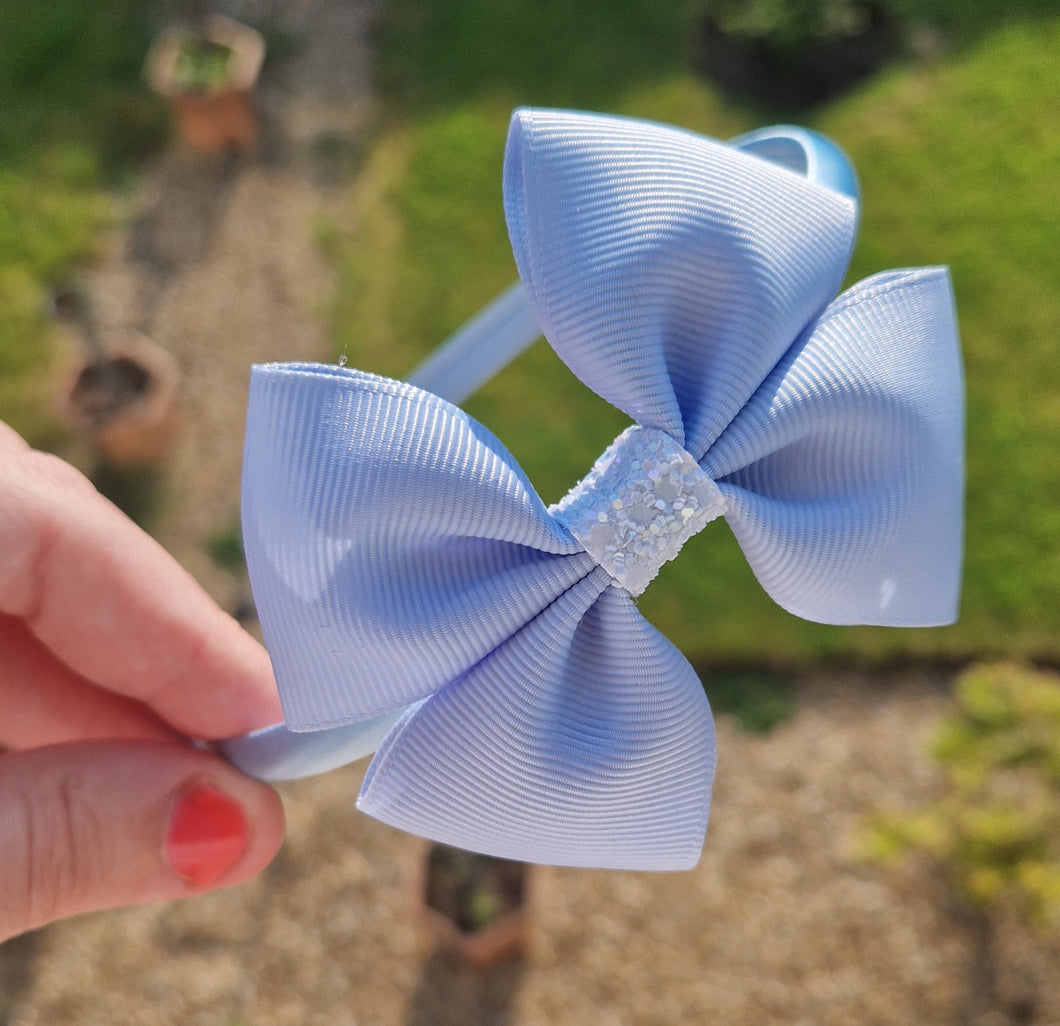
(643, 499)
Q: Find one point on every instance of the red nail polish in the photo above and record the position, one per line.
(207, 835)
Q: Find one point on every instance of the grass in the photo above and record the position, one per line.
(225, 549)
(756, 700)
(75, 119)
(958, 165)
(958, 159)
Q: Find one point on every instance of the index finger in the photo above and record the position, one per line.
(114, 606)
(11, 440)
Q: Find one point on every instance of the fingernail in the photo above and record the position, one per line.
(206, 836)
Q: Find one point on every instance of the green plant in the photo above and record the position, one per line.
(790, 25)
(473, 891)
(202, 64)
(994, 831)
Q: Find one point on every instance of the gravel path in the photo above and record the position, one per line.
(780, 923)
(219, 264)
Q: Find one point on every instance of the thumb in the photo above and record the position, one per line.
(98, 824)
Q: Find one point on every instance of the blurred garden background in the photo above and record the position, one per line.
(957, 152)
(954, 128)
(956, 140)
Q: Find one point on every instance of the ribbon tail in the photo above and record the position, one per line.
(670, 272)
(278, 753)
(585, 740)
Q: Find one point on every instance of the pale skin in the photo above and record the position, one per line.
(111, 659)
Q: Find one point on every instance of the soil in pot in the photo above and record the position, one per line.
(473, 891)
(107, 386)
(123, 395)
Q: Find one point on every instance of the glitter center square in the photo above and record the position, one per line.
(643, 499)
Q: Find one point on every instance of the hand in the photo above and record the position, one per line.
(111, 659)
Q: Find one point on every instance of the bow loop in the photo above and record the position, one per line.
(670, 272)
(844, 474)
(392, 541)
(560, 761)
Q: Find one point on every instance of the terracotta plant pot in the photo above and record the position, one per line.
(125, 400)
(475, 906)
(208, 77)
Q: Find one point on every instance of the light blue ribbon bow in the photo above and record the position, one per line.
(415, 592)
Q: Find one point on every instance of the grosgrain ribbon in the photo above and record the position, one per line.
(400, 559)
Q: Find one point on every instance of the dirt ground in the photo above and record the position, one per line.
(780, 922)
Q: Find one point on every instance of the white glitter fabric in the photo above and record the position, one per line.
(643, 499)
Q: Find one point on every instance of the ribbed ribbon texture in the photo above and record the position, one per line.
(400, 558)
